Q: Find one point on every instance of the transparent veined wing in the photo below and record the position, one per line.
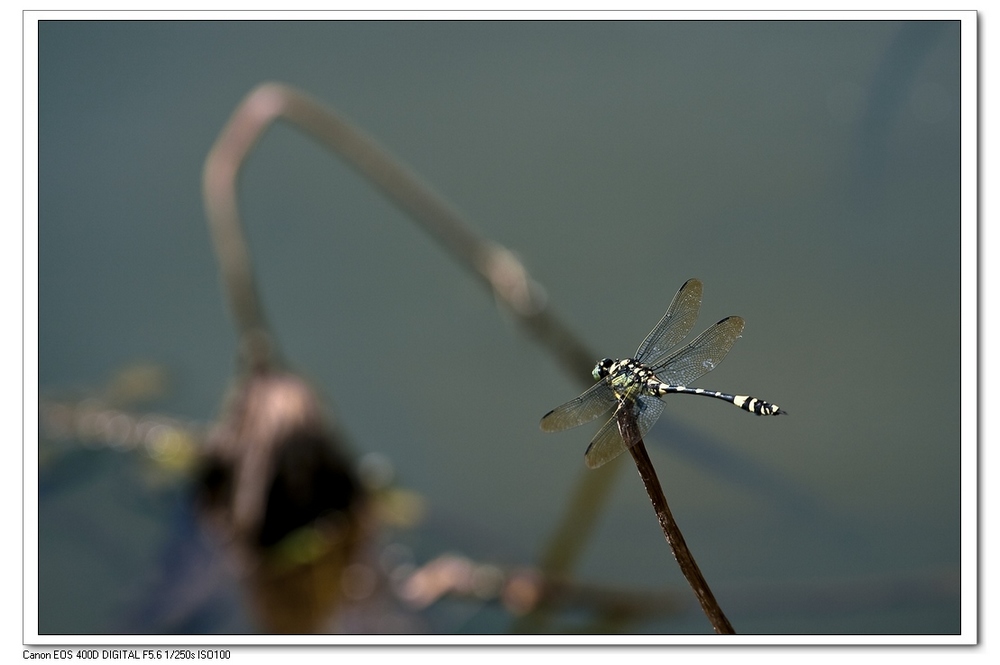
(700, 356)
(674, 326)
(608, 444)
(598, 399)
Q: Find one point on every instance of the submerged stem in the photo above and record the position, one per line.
(629, 431)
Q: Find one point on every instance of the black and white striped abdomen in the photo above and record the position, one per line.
(745, 402)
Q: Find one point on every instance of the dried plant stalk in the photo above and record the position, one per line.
(629, 431)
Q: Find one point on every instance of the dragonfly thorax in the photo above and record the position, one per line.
(629, 378)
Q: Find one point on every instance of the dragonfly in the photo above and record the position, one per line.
(637, 384)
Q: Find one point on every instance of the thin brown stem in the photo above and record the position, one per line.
(629, 431)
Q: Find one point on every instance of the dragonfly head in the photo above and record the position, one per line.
(602, 369)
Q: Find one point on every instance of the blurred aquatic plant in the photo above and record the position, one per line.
(276, 486)
(495, 265)
(108, 418)
(520, 590)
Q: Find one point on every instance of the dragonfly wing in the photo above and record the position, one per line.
(702, 355)
(649, 413)
(598, 399)
(674, 326)
(608, 443)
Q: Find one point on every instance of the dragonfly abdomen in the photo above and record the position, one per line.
(745, 402)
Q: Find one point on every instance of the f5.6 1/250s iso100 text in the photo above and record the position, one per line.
(129, 654)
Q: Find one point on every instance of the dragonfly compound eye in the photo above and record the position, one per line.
(602, 368)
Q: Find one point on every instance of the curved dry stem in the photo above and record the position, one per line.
(630, 432)
(493, 263)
